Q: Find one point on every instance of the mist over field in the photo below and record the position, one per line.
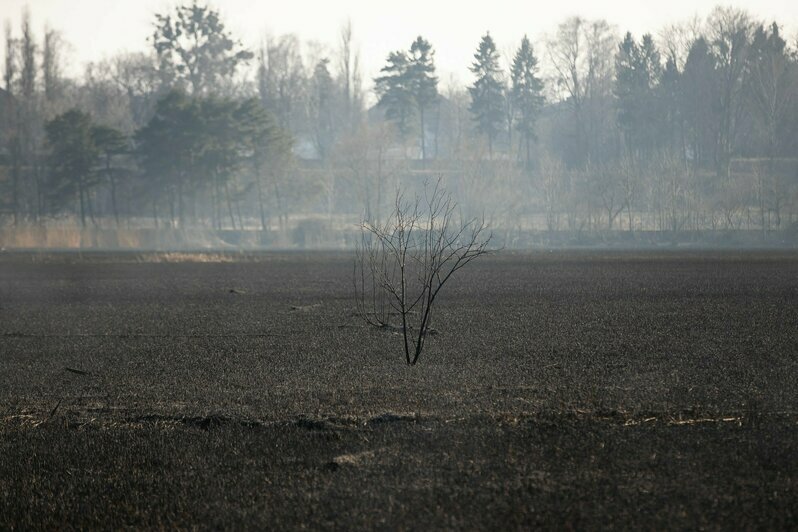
(260, 284)
(581, 135)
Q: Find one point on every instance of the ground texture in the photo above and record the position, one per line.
(582, 390)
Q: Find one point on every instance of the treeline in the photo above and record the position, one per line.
(694, 128)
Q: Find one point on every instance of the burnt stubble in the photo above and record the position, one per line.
(584, 389)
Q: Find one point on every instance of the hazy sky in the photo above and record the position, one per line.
(100, 28)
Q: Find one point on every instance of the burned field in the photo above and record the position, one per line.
(562, 389)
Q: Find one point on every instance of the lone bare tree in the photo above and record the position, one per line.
(401, 265)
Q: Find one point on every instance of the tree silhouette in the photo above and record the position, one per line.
(395, 92)
(487, 95)
(193, 46)
(72, 157)
(110, 143)
(422, 83)
(527, 92)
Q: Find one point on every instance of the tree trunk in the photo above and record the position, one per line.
(261, 206)
(528, 156)
(423, 138)
(112, 181)
(229, 205)
(180, 203)
(82, 204)
(15, 170)
(155, 212)
(90, 208)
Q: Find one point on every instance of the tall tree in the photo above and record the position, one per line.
(637, 74)
(51, 65)
(395, 93)
(422, 83)
(729, 32)
(110, 144)
(72, 157)
(282, 82)
(668, 99)
(193, 46)
(9, 132)
(699, 107)
(581, 55)
(29, 119)
(169, 149)
(349, 77)
(322, 101)
(28, 52)
(487, 94)
(266, 149)
(10, 64)
(771, 85)
(137, 77)
(526, 92)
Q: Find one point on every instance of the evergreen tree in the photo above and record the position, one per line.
(395, 91)
(637, 74)
(668, 97)
(72, 157)
(527, 92)
(168, 150)
(321, 107)
(110, 143)
(627, 85)
(698, 103)
(652, 116)
(422, 83)
(487, 95)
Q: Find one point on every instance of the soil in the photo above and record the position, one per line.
(563, 390)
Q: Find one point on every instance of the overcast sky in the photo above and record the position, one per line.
(97, 29)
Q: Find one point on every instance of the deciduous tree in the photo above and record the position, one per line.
(194, 47)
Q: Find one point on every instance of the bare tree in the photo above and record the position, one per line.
(730, 32)
(677, 39)
(349, 77)
(552, 190)
(283, 80)
(51, 64)
(364, 168)
(580, 55)
(402, 265)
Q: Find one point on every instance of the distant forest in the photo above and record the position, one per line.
(694, 128)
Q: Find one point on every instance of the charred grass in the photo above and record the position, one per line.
(622, 390)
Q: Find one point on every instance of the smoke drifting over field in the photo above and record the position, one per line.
(584, 135)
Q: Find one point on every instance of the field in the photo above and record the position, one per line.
(563, 390)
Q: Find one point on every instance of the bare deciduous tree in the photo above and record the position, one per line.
(402, 265)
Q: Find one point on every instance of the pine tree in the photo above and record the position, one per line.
(487, 95)
(422, 83)
(321, 107)
(637, 74)
(698, 87)
(110, 142)
(169, 147)
(527, 92)
(73, 154)
(395, 93)
(627, 86)
(668, 98)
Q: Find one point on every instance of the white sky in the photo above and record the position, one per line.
(97, 29)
